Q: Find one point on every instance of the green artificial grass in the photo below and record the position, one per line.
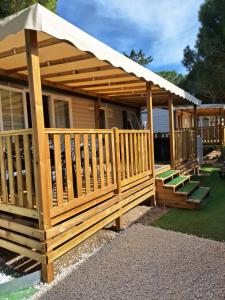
(208, 222)
(176, 181)
(188, 187)
(20, 295)
(167, 174)
(199, 194)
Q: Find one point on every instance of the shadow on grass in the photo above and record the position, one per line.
(209, 222)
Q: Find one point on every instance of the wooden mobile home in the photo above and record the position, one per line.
(73, 157)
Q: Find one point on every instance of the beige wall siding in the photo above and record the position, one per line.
(83, 112)
(116, 119)
(186, 120)
(115, 114)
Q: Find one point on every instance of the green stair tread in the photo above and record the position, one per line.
(176, 181)
(198, 195)
(167, 174)
(188, 187)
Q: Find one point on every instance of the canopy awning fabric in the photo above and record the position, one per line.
(71, 59)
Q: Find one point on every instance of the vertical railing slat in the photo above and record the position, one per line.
(135, 155)
(3, 171)
(69, 166)
(101, 161)
(78, 165)
(58, 169)
(107, 151)
(94, 161)
(122, 155)
(26, 144)
(113, 158)
(131, 145)
(10, 170)
(86, 164)
(19, 172)
(127, 156)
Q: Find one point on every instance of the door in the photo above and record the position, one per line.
(46, 111)
(102, 118)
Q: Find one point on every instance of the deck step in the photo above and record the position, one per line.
(167, 174)
(177, 181)
(198, 195)
(188, 188)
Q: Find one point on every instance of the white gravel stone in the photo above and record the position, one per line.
(148, 263)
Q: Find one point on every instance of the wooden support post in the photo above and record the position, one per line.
(39, 140)
(97, 114)
(172, 136)
(196, 135)
(119, 221)
(175, 119)
(150, 127)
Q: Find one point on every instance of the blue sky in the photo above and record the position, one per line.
(162, 28)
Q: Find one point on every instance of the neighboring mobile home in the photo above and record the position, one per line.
(73, 156)
(210, 121)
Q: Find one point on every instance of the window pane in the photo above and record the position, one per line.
(12, 110)
(17, 110)
(6, 110)
(62, 114)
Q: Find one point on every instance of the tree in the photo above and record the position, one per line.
(206, 62)
(139, 57)
(9, 7)
(173, 77)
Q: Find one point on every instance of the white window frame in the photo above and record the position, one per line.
(53, 98)
(21, 91)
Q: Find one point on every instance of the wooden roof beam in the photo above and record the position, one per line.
(96, 78)
(60, 61)
(124, 85)
(78, 71)
(18, 50)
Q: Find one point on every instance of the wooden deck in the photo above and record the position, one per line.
(93, 177)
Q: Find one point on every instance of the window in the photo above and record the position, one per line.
(133, 122)
(12, 109)
(62, 113)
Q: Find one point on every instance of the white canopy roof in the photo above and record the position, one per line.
(38, 18)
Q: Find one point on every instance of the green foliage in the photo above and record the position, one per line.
(206, 62)
(139, 57)
(173, 77)
(9, 7)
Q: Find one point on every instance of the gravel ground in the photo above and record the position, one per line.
(148, 263)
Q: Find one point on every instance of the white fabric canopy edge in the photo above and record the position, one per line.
(37, 17)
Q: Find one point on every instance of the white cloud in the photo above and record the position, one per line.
(170, 24)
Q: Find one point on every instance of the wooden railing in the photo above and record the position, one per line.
(212, 134)
(185, 145)
(81, 165)
(135, 157)
(17, 176)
